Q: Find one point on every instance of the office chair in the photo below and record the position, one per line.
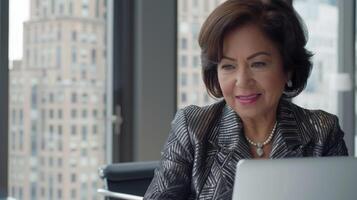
(127, 180)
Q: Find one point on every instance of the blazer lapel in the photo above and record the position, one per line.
(229, 146)
(287, 141)
(231, 137)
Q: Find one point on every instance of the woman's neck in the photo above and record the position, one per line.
(259, 129)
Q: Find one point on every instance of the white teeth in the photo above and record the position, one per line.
(247, 97)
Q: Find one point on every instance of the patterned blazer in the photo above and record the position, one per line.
(205, 144)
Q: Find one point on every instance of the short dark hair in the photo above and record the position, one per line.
(279, 22)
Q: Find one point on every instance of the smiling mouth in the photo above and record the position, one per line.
(248, 99)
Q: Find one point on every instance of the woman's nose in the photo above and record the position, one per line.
(244, 77)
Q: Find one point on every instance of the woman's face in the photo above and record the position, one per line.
(250, 73)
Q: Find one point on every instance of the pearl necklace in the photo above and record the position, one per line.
(260, 145)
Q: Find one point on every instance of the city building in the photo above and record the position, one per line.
(190, 86)
(57, 103)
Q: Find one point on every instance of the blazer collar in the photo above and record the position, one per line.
(286, 142)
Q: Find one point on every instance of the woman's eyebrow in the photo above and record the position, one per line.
(228, 58)
(258, 54)
(249, 57)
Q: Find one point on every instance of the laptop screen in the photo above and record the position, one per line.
(328, 178)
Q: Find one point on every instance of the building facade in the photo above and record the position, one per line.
(190, 86)
(57, 102)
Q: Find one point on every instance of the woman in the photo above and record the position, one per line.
(253, 55)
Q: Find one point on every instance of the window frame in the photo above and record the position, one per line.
(140, 53)
(4, 100)
(346, 64)
(144, 100)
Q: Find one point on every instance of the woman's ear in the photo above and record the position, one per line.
(289, 82)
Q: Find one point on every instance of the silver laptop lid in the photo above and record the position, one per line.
(328, 178)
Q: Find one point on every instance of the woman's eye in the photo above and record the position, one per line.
(258, 64)
(228, 67)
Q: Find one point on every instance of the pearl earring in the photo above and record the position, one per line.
(289, 83)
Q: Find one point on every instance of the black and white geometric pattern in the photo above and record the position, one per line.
(205, 144)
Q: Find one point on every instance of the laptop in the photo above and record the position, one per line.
(326, 178)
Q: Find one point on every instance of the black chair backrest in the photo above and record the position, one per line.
(130, 178)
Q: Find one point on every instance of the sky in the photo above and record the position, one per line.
(19, 12)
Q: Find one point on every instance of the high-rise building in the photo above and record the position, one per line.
(190, 87)
(57, 102)
(321, 19)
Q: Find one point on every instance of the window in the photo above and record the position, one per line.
(74, 35)
(84, 114)
(59, 34)
(74, 55)
(70, 7)
(93, 57)
(34, 92)
(84, 133)
(51, 114)
(73, 113)
(85, 8)
(323, 36)
(53, 7)
(97, 8)
(13, 114)
(58, 57)
(183, 97)
(21, 139)
(84, 191)
(60, 115)
(183, 61)
(33, 191)
(45, 102)
(34, 97)
(73, 130)
(95, 113)
(189, 24)
(61, 7)
(50, 161)
(51, 97)
(59, 178)
(195, 62)
(183, 43)
(84, 97)
(73, 193)
(95, 129)
(59, 194)
(74, 98)
(59, 130)
(84, 153)
(183, 79)
(21, 193)
(59, 162)
(43, 193)
(73, 178)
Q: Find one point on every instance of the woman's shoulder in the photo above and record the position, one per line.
(194, 121)
(312, 115)
(194, 112)
(314, 122)
(321, 129)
